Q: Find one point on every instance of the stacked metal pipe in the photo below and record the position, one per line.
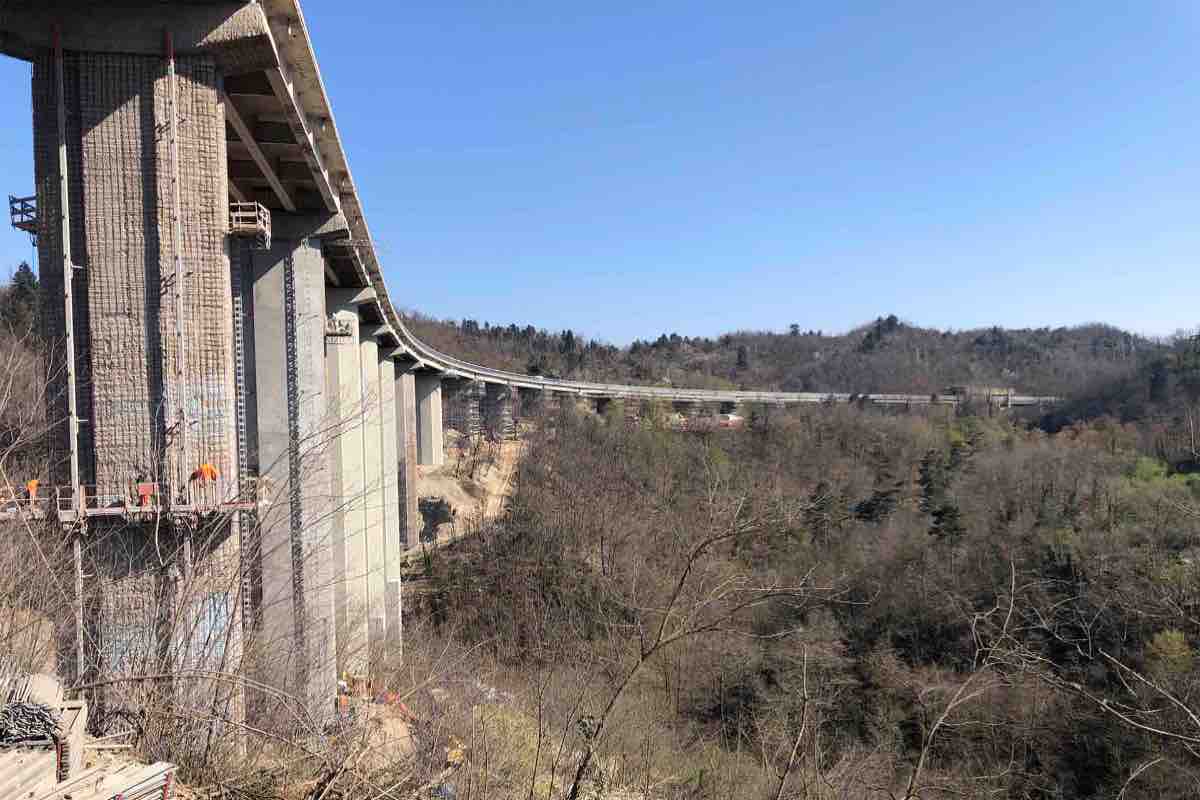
(133, 782)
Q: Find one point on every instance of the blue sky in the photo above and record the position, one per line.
(630, 169)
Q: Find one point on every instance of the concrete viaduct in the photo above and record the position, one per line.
(212, 296)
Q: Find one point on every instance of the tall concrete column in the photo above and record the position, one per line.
(406, 451)
(140, 239)
(498, 410)
(374, 493)
(393, 512)
(532, 402)
(283, 319)
(140, 366)
(431, 448)
(348, 482)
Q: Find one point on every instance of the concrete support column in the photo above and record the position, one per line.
(375, 496)
(144, 223)
(393, 522)
(289, 555)
(122, 182)
(344, 386)
(498, 410)
(431, 448)
(403, 509)
(462, 406)
(406, 452)
(531, 402)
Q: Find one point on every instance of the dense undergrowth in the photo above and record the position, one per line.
(863, 605)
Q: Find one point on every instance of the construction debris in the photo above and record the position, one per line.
(29, 775)
(42, 744)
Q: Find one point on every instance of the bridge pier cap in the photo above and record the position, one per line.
(236, 35)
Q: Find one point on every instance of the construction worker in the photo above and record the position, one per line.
(31, 487)
(204, 475)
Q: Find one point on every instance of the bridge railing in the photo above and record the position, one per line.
(455, 366)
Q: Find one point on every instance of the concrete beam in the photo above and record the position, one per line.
(234, 33)
(431, 448)
(236, 193)
(379, 331)
(280, 78)
(354, 297)
(234, 118)
(321, 225)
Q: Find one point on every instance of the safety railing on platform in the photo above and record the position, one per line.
(144, 499)
(22, 212)
(252, 220)
(16, 503)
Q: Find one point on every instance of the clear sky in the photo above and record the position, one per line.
(628, 169)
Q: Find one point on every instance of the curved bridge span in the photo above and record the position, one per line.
(224, 353)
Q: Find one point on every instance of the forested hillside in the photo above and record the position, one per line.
(887, 355)
(837, 603)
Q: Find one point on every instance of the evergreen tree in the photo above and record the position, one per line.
(947, 522)
(19, 301)
(932, 479)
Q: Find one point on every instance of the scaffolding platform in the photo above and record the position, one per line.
(22, 212)
(144, 502)
(251, 221)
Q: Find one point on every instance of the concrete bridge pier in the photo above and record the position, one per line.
(376, 436)
(463, 405)
(280, 313)
(406, 450)
(531, 402)
(431, 446)
(348, 513)
(497, 410)
(134, 276)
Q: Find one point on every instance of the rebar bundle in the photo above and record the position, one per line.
(28, 723)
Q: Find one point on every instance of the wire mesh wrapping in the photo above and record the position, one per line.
(117, 108)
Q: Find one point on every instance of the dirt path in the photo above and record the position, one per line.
(499, 482)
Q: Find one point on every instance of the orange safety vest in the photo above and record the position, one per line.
(204, 473)
(32, 487)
